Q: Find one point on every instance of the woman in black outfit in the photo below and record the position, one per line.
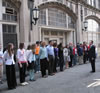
(61, 57)
(10, 67)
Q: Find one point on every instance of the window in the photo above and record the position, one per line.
(42, 17)
(10, 13)
(9, 28)
(56, 17)
(71, 24)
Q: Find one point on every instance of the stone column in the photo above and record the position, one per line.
(1, 34)
(78, 24)
(24, 22)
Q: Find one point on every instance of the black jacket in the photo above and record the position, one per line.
(92, 53)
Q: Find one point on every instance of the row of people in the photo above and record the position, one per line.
(41, 57)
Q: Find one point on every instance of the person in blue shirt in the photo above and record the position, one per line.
(80, 54)
(43, 59)
(50, 55)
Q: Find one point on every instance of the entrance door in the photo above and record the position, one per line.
(55, 40)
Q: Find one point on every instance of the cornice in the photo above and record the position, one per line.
(15, 3)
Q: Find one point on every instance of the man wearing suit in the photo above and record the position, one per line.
(92, 56)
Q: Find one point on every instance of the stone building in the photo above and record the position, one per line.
(59, 20)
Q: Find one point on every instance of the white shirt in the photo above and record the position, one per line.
(27, 53)
(65, 52)
(31, 57)
(9, 60)
(21, 55)
(1, 55)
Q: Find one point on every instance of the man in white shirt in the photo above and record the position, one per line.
(1, 65)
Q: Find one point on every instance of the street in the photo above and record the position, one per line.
(73, 80)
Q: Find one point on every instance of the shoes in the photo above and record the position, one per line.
(45, 76)
(32, 80)
(24, 83)
(92, 72)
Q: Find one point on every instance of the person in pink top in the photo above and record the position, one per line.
(22, 61)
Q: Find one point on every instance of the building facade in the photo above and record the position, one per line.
(59, 20)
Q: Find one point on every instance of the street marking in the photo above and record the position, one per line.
(94, 84)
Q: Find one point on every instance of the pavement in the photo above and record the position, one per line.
(77, 79)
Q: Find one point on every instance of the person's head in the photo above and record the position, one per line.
(60, 45)
(51, 43)
(28, 47)
(70, 44)
(43, 44)
(37, 43)
(55, 44)
(91, 42)
(33, 47)
(81, 45)
(84, 43)
(10, 48)
(66, 46)
(21, 46)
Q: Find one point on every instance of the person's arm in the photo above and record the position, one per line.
(5, 56)
(18, 57)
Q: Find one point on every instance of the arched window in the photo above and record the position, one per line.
(55, 18)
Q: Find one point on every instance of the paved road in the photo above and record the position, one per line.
(74, 80)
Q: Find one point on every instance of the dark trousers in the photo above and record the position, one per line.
(43, 63)
(22, 72)
(71, 61)
(50, 64)
(55, 64)
(93, 64)
(85, 57)
(61, 61)
(11, 76)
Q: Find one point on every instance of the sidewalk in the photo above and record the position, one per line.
(3, 87)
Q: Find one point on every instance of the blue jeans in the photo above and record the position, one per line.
(37, 63)
(31, 74)
(75, 59)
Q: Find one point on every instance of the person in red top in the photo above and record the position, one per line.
(74, 55)
(85, 52)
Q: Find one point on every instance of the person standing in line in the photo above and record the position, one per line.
(56, 57)
(28, 51)
(66, 56)
(92, 56)
(74, 55)
(1, 65)
(71, 54)
(61, 57)
(80, 54)
(85, 52)
(10, 66)
(37, 63)
(22, 62)
(50, 55)
(43, 59)
(31, 61)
